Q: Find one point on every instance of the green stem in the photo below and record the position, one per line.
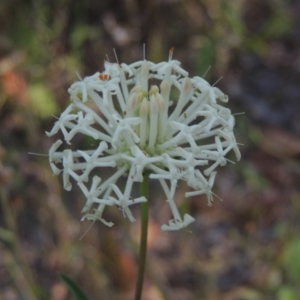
(144, 191)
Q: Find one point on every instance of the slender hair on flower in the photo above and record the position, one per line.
(175, 129)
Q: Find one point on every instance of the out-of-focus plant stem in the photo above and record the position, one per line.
(15, 262)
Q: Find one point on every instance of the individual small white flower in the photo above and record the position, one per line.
(144, 129)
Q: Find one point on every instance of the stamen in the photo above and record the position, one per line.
(144, 75)
(37, 154)
(78, 75)
(217, 81)
(144, 127)
(153, 121)
(87, 230)
(116, 56)
(103, 77)
(206, 71)
(171, 51)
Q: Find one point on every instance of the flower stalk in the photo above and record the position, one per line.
(144, 191)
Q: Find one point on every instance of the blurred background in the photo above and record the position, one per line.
(244, 248)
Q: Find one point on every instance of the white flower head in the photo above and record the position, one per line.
(174, 130)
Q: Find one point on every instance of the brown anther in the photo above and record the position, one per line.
(185, 115)
(103, 77)
(172, 49)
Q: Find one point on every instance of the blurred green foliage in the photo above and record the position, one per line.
(42, 101)
(291, 260)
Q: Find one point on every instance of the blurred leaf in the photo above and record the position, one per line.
(233, 17)
(274, 279)
(287, 293)
(282, 230)
(81, 33)
(7, 235)
(42, 101)
(206, 57)
(247, 293)
(291, 259)
(257, 44)
(279, 24)
(73, 287)
(254, 179)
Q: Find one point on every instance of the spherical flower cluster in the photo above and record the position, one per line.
(173, 130)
